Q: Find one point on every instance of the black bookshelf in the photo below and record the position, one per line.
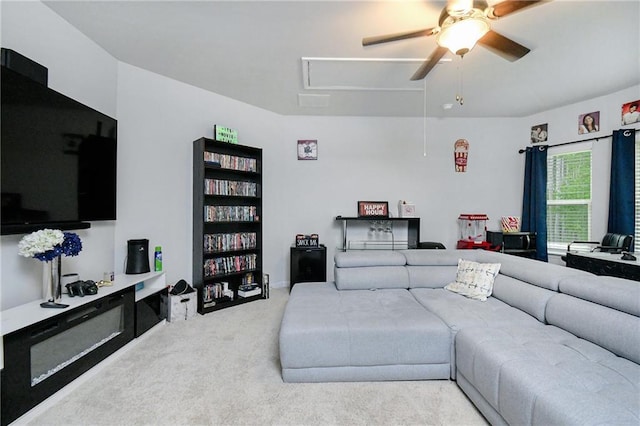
(227, 224)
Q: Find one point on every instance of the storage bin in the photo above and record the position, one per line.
(180, 306)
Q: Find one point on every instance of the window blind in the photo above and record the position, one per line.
(568, 198)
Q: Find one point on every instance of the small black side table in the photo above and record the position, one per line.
(308, 264)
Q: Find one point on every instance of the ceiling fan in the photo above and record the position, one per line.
(462, 24)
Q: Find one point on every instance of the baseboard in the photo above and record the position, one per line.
(280, 284)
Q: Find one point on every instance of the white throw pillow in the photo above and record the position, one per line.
(474, 280)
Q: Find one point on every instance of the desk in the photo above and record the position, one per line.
(412, 226)
(605, 264)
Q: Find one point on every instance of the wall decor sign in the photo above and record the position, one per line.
(460, 154)
(303, 240)
(373, 209)
(225, 134)
(589, 123)
(539, 133)
(630, 113)
(307, 149)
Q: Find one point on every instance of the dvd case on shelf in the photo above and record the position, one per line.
(232, 162)
(231, 188)
(230, 214)
(229, 264)
(253, 291)
(222, 242)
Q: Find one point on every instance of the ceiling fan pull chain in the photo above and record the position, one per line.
(459, 95)
(424, 123)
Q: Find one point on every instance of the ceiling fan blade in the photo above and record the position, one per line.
(510, 6)
(429, 63)
(368, 41)
(503, 46)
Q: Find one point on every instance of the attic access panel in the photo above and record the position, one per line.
(362, 73)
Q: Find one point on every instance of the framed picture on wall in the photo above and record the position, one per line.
(307, 149)
(589, 123)
(630, 113)
(539, 133)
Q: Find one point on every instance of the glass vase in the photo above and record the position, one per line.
(51, 286)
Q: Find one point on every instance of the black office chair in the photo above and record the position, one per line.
(431, 245)
(611, 243)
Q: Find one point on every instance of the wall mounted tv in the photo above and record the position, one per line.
(58, 159)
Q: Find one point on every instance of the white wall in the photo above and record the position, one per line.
(79, 69)
(359, 159)
(382, 159)
(159, 118)
(563, 127)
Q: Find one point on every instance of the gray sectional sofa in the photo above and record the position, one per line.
(552, 345)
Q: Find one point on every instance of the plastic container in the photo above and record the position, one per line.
(157, 259)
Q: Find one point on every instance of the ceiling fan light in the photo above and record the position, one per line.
(459, 7)
(461, 36)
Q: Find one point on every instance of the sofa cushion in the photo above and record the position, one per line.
(370, 269)
(356, 258)
(616, 293)
(614, 330)
(430, 276)
(460, 312)
(544, 375)
(324, 327)
(481, 353)
(434, 268)
(521, 295)
(437, 257)
(541, 274)
(474, 280)
(371, 277)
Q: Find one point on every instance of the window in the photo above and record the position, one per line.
(568, 199)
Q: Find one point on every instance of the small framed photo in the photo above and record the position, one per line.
(307, 149)
(539, 133)
(373, 209)
(630, 113)
(589, 123)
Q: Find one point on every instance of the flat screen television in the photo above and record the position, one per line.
(58, 159)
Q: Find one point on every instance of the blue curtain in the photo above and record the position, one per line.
(534, 200)
(622, 191)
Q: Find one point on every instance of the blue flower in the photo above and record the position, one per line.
(72, 244)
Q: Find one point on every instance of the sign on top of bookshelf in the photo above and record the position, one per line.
(225, 134)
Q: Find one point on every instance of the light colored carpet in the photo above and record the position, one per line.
(223, 369)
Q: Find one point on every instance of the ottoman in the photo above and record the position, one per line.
(360, 335)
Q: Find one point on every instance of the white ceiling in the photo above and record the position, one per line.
(252, 51)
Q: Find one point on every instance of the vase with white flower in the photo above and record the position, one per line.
(48, 246)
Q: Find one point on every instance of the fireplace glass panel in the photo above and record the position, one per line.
(57, 352)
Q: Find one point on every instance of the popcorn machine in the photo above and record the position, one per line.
(473, 229)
